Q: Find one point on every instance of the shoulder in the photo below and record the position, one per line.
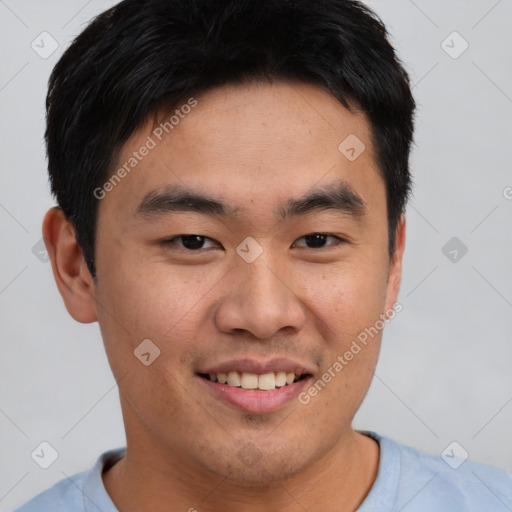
(422, 482)
(82, 492)
(64, 496)
(467, 481)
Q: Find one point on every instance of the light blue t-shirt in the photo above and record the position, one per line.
(407, 481)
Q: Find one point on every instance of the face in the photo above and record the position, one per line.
(245, 245)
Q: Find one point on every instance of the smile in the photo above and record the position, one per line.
(252, 381)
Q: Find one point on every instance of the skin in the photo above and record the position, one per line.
(253, 146)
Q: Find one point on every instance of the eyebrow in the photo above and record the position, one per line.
(339, 196)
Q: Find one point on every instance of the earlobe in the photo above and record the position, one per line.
(70, 271)
(395, 268)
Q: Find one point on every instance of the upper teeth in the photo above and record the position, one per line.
(265, 382)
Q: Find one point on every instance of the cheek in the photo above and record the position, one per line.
(346, 304)
(153, 301)
(347, 298)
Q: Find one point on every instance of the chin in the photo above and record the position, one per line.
(248, 467)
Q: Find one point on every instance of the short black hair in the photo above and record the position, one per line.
(144, 56)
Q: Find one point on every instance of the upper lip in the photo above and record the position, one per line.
(258, 367)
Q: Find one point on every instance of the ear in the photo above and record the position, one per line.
(395, 267)
(70, 271)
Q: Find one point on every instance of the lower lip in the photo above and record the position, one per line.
(257, 401)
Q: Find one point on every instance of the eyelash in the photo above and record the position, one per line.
(338, 241)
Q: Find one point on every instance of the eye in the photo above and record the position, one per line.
(190, 242)
(318, 240)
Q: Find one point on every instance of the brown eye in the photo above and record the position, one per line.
(190, 242)
(319, 240)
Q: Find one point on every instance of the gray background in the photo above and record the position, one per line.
(445, 368)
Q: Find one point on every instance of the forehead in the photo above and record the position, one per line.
(254, 143)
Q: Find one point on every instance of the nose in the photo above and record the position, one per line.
(259, 298)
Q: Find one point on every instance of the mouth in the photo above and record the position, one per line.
(252, 381)
(255, 387)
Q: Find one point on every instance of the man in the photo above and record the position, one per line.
(231, 180)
